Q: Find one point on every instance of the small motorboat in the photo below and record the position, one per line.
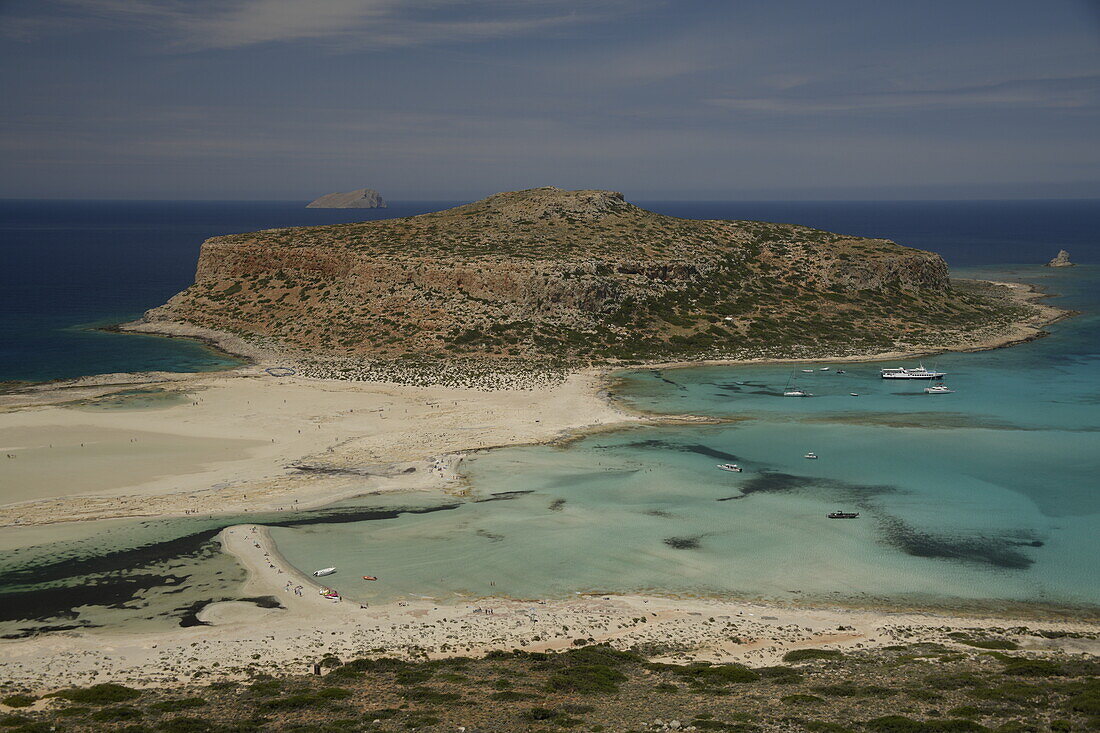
(940, 388)
(730, 467)
(323, 572)
(843, 515)
(854, 394)
(841, 371)
(808, 371)
(811, 455)
(369, 577)
(795, 393)
(823, 369)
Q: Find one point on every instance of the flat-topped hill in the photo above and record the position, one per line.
(575, 276)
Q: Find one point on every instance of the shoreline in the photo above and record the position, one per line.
(308, 627)
(408, 438)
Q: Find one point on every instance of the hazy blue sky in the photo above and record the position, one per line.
(438, 99)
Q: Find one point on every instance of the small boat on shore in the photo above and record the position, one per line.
(811, 455)
(329, 593)
(323, 572)
(843, 515)
(730, 467)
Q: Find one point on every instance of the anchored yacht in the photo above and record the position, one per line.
(730, 467)
(918, 373)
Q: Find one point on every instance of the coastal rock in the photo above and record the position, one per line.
(1061, 260)
(551, 275)
(364, 198)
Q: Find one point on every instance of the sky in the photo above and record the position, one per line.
(457, 99)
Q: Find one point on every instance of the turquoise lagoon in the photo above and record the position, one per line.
(988, 496)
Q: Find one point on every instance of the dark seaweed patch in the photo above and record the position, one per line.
(683, 543)
(985, 550)
(110, 580)
(189, 614)
(489, 535)
(697, 448)
(556, 505)
(503, 496)
(659, 513)
(774, 482)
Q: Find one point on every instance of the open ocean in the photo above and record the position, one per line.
(988, 497)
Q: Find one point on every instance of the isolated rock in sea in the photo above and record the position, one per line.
(364, 198)
(1062, 260)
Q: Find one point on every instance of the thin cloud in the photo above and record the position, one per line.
(197, 25)
(1063, 93)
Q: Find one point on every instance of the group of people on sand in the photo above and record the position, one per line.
(296, 588)
(488, 611)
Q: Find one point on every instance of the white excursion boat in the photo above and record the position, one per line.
(940, 388)
(811, 455)
(324, 571)
(918, 373)
(730, 467)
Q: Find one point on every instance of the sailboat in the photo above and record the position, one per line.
(793, 390)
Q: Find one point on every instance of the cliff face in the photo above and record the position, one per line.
(364, 198)
(552, 273)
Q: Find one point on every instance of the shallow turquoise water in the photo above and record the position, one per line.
(989, 494)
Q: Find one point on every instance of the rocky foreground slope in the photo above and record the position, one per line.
(576, 276)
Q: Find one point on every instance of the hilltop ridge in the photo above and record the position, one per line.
(576, 277)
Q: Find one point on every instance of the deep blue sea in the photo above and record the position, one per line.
(987, 497)
(72, 266)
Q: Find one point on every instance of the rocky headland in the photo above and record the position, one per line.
(564, 279)
(363, 198)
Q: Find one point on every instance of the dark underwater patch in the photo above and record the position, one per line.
(775, 482)
(659, 513)
(697, 448)
(489, 535)
(683, 543)
(189, 614)
(115, 579)
(556, 505)
(503, 496)
(981, 549)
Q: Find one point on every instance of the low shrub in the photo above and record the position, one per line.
(114, 714)
(106, 693)
(802, 655)
(1032, 667)
(19, 701)
(586, 679)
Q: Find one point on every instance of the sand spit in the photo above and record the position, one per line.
(243, 639)
(245, 441)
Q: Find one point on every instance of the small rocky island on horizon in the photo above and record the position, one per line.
(1060, 260)
(363, 198)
